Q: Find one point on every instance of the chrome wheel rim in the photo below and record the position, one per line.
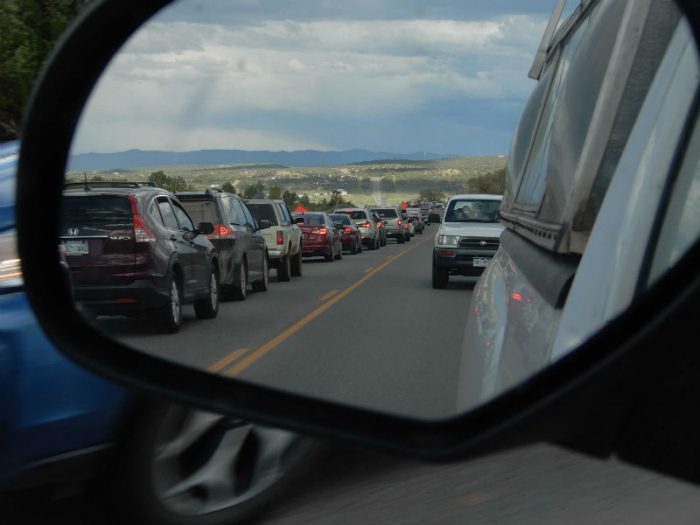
(205, 462)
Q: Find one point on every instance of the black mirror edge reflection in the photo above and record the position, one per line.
(599, 400)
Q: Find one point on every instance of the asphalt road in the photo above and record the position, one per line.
(367, 330)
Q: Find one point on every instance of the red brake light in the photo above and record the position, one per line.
(221, 231)
(141, 233)
(365, 225)
(280, 237)
(399, 223)
(347, 229)
(319, 231)
(516, 296)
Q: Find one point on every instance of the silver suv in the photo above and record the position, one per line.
(282, 236)
(368, 229)
(393, 222)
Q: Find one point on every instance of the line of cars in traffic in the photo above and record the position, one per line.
(135, 250)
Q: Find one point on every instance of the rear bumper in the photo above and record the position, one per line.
(314, 247)
(132, 298)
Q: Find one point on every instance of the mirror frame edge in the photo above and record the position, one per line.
(534, 411)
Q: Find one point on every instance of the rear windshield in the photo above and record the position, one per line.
(311, 220)
(354, 214)
(95, 215)
(201, 211)
(339, 217)
(386, 213)
(263, 212)
(473, 210)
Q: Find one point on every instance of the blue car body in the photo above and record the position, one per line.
(52, 412)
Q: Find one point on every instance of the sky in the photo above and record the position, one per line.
(401, 76)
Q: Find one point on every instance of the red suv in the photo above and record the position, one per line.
(133, 250)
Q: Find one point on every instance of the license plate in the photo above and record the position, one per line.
(481, 262)
(76, 247)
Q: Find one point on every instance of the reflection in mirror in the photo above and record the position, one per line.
(231, 115)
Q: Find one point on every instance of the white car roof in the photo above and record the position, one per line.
(482, 196)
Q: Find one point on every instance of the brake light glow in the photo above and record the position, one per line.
(347, 229)
(141, 233)
(280, 237)
(399, 222)
(516, 296)
(319, 231)
(222, 232)
(365, 225)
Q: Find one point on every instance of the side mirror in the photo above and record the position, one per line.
(264, 223)
(205, 228)
(299, 220)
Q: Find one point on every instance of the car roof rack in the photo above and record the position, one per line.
(93, 184)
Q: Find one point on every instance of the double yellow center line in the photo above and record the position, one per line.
(330, 299)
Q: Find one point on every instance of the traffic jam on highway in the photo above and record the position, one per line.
(136, 250)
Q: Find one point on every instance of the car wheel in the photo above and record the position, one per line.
(360, 248)
(284, 270)
(383, 241)
(330, 257)
(296, 264)
(401, 239)
(262, 284)
(339, 253)
(189, 467)
(353, 248)
(170, 315)
(440, 277)
(208, 307)
(240, 284)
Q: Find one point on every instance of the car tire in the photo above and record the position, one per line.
(353, 248)
(208, 307)
(330, 257)
(383, 241)
(339, 253)
(240, 282)
(170, 315)
(284, 270)
(360, 247)
(441, 276)
(401, 239)
(297, 263)
(262, 284)
(160, 471)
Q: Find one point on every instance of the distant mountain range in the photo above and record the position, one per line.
(135, 158)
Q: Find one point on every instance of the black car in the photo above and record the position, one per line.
(134, 250)
(242, 250)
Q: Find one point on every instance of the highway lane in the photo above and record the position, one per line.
(367, 330)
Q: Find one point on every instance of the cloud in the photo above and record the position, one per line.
(176, 83)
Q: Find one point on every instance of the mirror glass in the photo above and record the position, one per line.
(240, 114)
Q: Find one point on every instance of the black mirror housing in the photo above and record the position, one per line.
(205, 228)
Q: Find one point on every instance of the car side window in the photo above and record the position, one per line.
(283, 216)
(237, 216)
(167, 213)
(182, 218)
(681, 223)
(249, 217)
(154, 214)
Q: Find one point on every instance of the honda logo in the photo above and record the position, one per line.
(73, 231)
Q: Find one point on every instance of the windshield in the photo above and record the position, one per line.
(473, 210)
(201, 211)
(386, 213)
(263, 212)
(339, 217)
(315, 219)
(95, 215)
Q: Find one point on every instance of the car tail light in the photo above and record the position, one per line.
(280, 237)
(221, 231)
(399, 222)
(366, 225)
(319, 231)
(347, 229)
(141, 233)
